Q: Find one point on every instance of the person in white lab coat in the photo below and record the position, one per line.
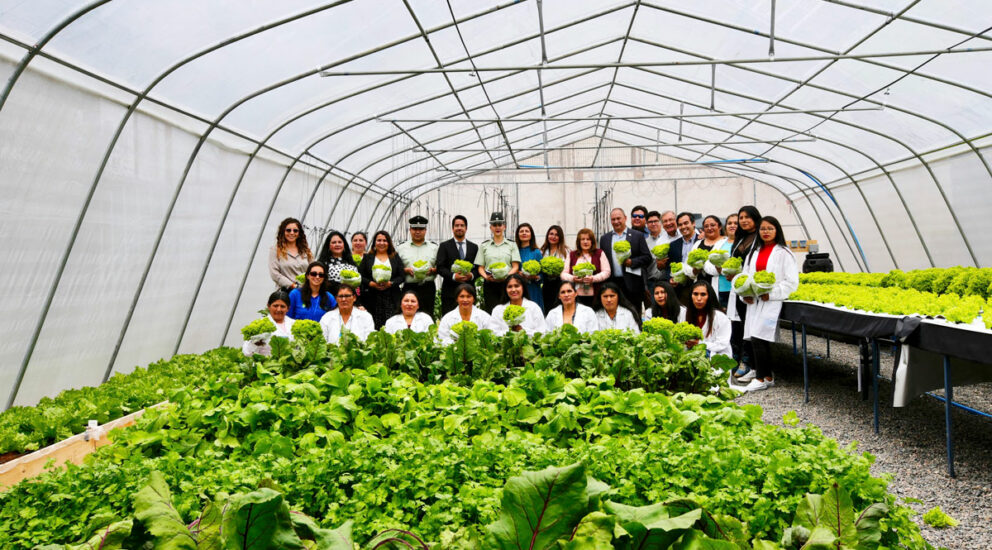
(614, 310)
(517, 295)
(346, 317)
(704, 312)
(466, 311)
(570, 312)
(278, 306)
(761, 321)
(410, 316)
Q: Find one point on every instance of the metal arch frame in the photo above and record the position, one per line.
(879, 165)
(790, 180)
(847, 94)
(203, 137)
(613, 79)
(10, 83)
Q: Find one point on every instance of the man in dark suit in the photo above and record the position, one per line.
(456, 248)
(628, 275)
(678, 250)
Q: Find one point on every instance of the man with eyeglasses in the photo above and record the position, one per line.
(638, 219)
(456, 248)
(416, 249)
(658, 269)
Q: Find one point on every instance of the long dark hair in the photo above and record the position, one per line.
(744, 240)
(520, 279)
(323, 293)
(622, 301)
(709, 310)
(325, 249)
(546, 247)
(672, 306)
(758, 243)
(533, 237)
(399, 303)
(278, 296)
(390, 250)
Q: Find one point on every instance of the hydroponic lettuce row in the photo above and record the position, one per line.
(256, 327)
(385, 451)
(698, 257)
(552, 266)
(24, 429)
(963, 281)
(532, 267)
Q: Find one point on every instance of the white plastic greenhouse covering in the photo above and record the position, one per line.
(149, 149)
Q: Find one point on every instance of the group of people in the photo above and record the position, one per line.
(398, 284)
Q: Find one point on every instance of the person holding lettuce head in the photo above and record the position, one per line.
(497, 259)
(528, 316)
(454, 262)
(419, 260)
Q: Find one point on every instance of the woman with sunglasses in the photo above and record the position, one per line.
(346, 318)
(313, 300)
(289, 257)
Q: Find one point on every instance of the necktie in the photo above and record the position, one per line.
(461, 251)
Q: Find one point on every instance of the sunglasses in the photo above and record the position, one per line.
(638, 216)
(317, 274)
(288, 230)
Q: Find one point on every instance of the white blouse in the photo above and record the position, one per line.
(718, 340)
(360, 324)
(533, 320)
(584, 319)
(421, 323)
(481, 319)
(624, 320)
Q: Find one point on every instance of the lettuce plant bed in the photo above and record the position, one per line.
(446, 461)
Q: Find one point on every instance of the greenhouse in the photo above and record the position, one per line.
(805, 177)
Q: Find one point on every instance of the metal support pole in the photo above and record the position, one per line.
(827, 336)
(805, 368)
(874, 379)
(948, 399)
(794, 350)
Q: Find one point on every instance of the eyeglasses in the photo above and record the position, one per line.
(346, 296)
(656, 220)
(317, 274)
(292, 230)
(638, 216)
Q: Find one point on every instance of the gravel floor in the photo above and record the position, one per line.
(911, 441)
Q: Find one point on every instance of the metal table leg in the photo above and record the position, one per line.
(828, 345)
(794, 350)
(874, 378)
(805, 368)
(949, 397)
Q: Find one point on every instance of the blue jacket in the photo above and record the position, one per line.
(298, 311)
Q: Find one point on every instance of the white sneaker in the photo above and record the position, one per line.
(757, 385)
(770, 382)
(747, 376)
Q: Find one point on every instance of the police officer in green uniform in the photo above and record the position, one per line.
(497, 249)
(415, 250)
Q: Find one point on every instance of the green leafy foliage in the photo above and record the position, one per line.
(584, 269)
(764, 277)
(740, 281)
(532, 267)
(935, 517)
(660, 251)
(683, 332)
(55, 418)
(514, 315)
(732, 267)
(357, 258)
(462, 267)
(552, 266)
(464, 327)
(305, 330)
(621, 246)
(697, 258)
(351, 278)
(657, 325)
(499, 270)
(256, 327)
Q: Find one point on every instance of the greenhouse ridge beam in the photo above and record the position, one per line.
(635, 117)
(613, 80)
(640, 64)
(638, 146)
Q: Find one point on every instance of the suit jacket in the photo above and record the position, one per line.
(640, 254)
(396, 277)
(447, 253)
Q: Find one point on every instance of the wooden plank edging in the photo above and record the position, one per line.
(73, 449)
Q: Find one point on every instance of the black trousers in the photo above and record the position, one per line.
(762, 358)
(632, 288)
(492, 294)
(549, 291)
(426, 293)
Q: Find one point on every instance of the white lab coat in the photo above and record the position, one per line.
(623, 321)
(285, 330)
(584, 319)
(762, 316)
(533, 320)
(360, 324)
(718, 340)
(481, 319)
(421, 323)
